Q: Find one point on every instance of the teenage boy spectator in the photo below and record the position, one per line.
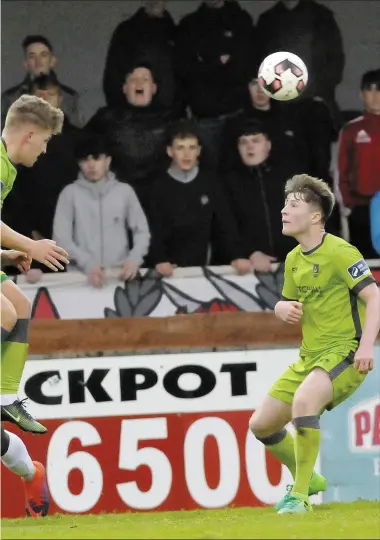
(285, 130)
(189, 212)
(135, 131)
(146, 36)
(255, 189)
(359, 164)
(39, 59)
(95, 213)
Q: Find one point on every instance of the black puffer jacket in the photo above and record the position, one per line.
(136, 138)
(146, 39)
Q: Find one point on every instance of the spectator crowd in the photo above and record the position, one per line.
(186, 163)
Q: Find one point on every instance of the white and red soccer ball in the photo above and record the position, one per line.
(283, 76)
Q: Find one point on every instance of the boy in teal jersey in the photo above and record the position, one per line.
(29, 124)
(330, 291)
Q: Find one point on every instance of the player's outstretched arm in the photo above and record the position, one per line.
(43, 251)
(364, 356)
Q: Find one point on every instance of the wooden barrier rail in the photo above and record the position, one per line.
(152, 333)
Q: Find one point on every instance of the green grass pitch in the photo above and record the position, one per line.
(354, 520)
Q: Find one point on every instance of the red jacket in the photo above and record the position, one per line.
(359, 160)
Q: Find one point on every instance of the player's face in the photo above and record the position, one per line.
(95, 168)
(38, 59)
(297, 216)
(185, 153)
(52, 95)
(254, 149)
(34, 144)
(371, 98)
(139, 88)
(259, 98)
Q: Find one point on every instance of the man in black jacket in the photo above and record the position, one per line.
(300, 130)
(308, 29)
(135, 131)
(147, 36)
(286, 131)
(215, 51)
(255, 188)
(189, 213)
(40, 60)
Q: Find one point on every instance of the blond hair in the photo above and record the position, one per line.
(34, 110)
(313, 191)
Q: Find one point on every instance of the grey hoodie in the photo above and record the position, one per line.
(91, 222)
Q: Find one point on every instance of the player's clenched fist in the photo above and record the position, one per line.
(48, 253)
(289, 311)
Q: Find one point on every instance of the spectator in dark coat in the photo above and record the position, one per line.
(189, 213)
(255, 189)
(39, 60)
(215, 51)
(285, 130)
(308, 29)
(135, 131)
(147, 36)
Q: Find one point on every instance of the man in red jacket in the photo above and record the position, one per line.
(359, 164)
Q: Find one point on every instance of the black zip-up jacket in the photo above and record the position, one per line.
(211, 87)
(256, 195)
(136, 138)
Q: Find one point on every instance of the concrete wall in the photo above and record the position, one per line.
(80, 31)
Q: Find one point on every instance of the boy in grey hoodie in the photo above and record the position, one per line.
(93, 216)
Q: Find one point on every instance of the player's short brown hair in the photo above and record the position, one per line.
(312, 190)
(34, 110)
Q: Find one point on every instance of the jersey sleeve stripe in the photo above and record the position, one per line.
(363, 284)
(355, 315)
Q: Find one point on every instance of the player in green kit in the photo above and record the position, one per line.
(330, 291)
(29, 124)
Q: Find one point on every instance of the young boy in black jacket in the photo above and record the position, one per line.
(189, 214)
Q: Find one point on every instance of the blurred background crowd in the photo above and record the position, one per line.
(185, 160)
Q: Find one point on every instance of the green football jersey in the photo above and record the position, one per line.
(8, 172)
(327, 280)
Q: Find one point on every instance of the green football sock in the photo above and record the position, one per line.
(281, 445)
(307, 443)
(14, 352)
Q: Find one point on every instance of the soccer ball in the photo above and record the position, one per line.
(283, 76)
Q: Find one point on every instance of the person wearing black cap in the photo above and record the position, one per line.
(95, 213)
(135, 130)
(255, 188)
(39, 59)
